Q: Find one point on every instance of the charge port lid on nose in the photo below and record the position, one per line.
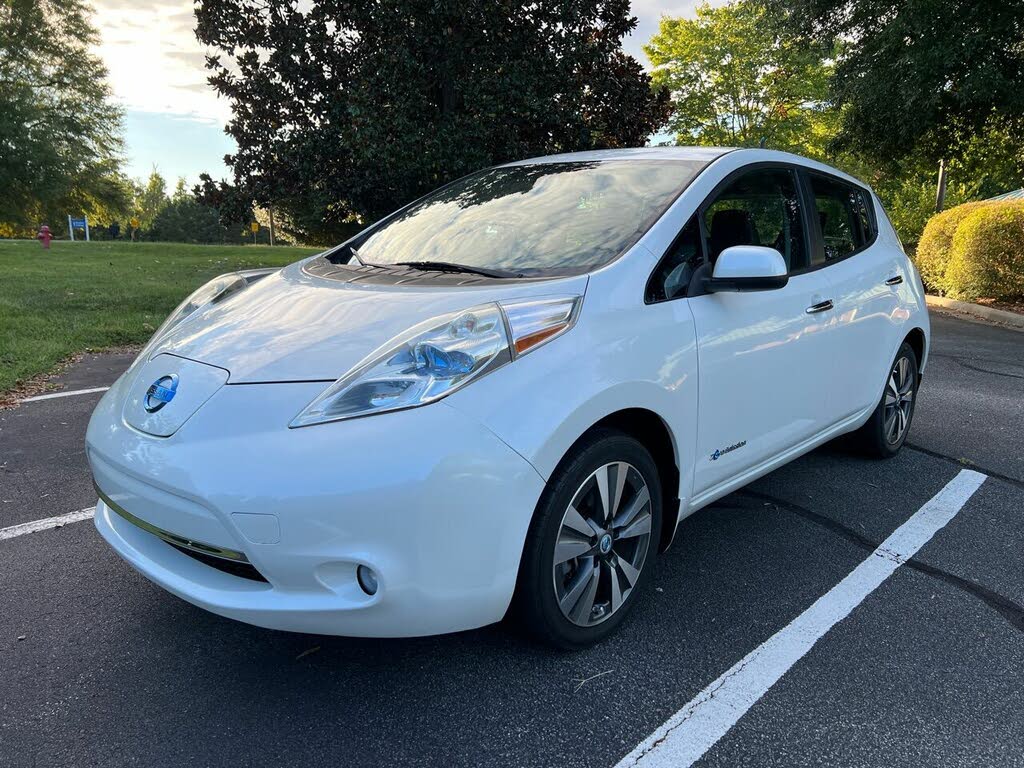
(167, 391)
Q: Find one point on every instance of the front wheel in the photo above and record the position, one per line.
(885, 432)
(591, 543)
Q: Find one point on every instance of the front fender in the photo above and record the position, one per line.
(541, 404)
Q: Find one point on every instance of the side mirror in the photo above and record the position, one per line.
(748, 268)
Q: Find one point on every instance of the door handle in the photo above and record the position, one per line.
(894, 280)
(821, 306)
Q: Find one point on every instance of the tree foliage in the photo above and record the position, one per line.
(185, 220)
(59, 132)
(920, 75)
(754, 69)
(737, 79)
(150, 199)
(235, 205)
(347, 110)
(985, 163)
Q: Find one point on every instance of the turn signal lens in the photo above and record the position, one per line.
(532, 323)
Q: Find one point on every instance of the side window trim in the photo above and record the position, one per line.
(812, 222)
(868, 200)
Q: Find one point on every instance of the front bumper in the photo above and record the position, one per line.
(428, 498)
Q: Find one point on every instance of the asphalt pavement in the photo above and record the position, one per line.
(100, 667)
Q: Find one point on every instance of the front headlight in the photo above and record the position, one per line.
(440, 356)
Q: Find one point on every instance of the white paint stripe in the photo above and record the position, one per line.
(73, 392)
(42, 525)
(698, 726)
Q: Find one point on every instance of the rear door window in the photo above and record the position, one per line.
(843, 217)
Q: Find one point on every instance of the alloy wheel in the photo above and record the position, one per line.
(899, 400)
(602, 544)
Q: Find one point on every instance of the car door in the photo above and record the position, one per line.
(866, 277)
(764, 357)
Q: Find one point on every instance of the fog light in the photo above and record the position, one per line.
(367, 579)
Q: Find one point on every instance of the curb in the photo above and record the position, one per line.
(1001, 316)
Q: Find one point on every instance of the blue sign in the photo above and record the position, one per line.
(78, 223)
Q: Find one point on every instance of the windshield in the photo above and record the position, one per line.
(551, 218)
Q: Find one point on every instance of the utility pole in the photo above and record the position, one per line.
(940, 192)
(270, 210)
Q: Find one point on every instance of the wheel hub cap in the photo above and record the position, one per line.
(899, 400)
(602, 544)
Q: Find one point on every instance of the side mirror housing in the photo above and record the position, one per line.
(748, 268)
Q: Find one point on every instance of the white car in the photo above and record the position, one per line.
(505, 396)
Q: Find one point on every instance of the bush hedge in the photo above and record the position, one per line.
(986, 259)
(936, 244)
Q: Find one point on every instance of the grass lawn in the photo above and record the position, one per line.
(79, 296)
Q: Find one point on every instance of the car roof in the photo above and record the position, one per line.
(700, 154)
(705, 154)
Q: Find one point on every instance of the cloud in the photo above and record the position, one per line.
(197, 87)
(155, 62)
(142, 6)
(194, 59)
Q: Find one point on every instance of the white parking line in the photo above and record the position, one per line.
(50, 522)
(694, 729)
(73, 392)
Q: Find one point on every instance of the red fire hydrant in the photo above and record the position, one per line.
(44, 236)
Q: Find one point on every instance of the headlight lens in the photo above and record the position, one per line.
(439, 357)
(429, 362)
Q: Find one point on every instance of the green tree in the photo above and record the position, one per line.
(985, 163)
(185, 220)
(151, 199)
(737, 79)
(180, 190)
(59, 132)
(344, 111)
(921, 76)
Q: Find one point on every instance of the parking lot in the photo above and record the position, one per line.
(100, 667)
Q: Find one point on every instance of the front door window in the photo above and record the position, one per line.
(761, 207)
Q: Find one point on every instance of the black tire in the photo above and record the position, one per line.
(536, 604)
(875, 437)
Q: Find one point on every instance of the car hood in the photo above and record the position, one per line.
(295, 326)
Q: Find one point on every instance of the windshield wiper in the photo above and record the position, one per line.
(447, 266)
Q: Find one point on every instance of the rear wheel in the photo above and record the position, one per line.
(591, 542)
(885, 432)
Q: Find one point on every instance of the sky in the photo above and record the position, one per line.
(174, 121)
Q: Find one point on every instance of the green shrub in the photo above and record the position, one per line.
(935, 247)
(987, 257)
